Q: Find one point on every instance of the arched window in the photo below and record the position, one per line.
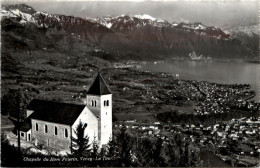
(107, 102)
(66, 133)
(55, 130)
(46, 128)
(85, 125)
(95, 103)
(92, 103)
(36, 127)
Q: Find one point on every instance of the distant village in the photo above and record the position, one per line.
(230, 128)
(236, 141)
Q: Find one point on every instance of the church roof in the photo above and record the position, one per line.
(99, 86)
(55, 112)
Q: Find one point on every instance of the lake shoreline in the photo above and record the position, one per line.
(215, 71)
(254, 61)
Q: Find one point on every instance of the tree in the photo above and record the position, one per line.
(144, 152)
(80, 144)
(94, 151)
(8, 105)
(190, 155)
(173, 152)
(14, 102)
(187, 155)
(125, 144)
(9, 154)
(21, 101)
(158, 158)
(103, 152)
(112, 147)
(195, 157)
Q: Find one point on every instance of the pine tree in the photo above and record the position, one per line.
(125, 144)
(144, 153)
(195, 157)
(174, 153)
(95, 148)
(8, 104)
(21, 99)
(103, 152)
(187, 155)
(157, 154)
(112, 149)
(80, 144)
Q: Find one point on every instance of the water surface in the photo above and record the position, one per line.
(224, 72)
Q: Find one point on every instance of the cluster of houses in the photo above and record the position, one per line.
(244, 130)
(235, 137)
(211, 98)
(219, 98)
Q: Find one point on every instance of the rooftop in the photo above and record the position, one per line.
(99, 86)
(56, 112)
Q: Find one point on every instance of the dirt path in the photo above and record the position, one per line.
(7, 126)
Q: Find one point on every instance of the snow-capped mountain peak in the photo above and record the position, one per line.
(129, 22)
(249, 30)
(124, 23)
(194, 26)
(25, 17)
(120, 23)
(145, 16)
(148, 17)
(124, 34)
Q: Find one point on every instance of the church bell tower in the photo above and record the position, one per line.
(99, 101)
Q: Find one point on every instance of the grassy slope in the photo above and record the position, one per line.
(62, 76)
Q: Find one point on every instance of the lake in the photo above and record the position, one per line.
(224, 72)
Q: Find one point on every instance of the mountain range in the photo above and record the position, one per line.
(140, 37)
(247, 34)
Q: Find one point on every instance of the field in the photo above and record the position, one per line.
(66, 76)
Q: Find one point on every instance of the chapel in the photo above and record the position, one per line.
(52, 124)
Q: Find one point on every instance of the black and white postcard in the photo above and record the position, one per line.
(135, 83)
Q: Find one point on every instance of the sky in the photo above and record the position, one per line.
(218, 13)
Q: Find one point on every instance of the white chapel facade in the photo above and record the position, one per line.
(52, 124)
